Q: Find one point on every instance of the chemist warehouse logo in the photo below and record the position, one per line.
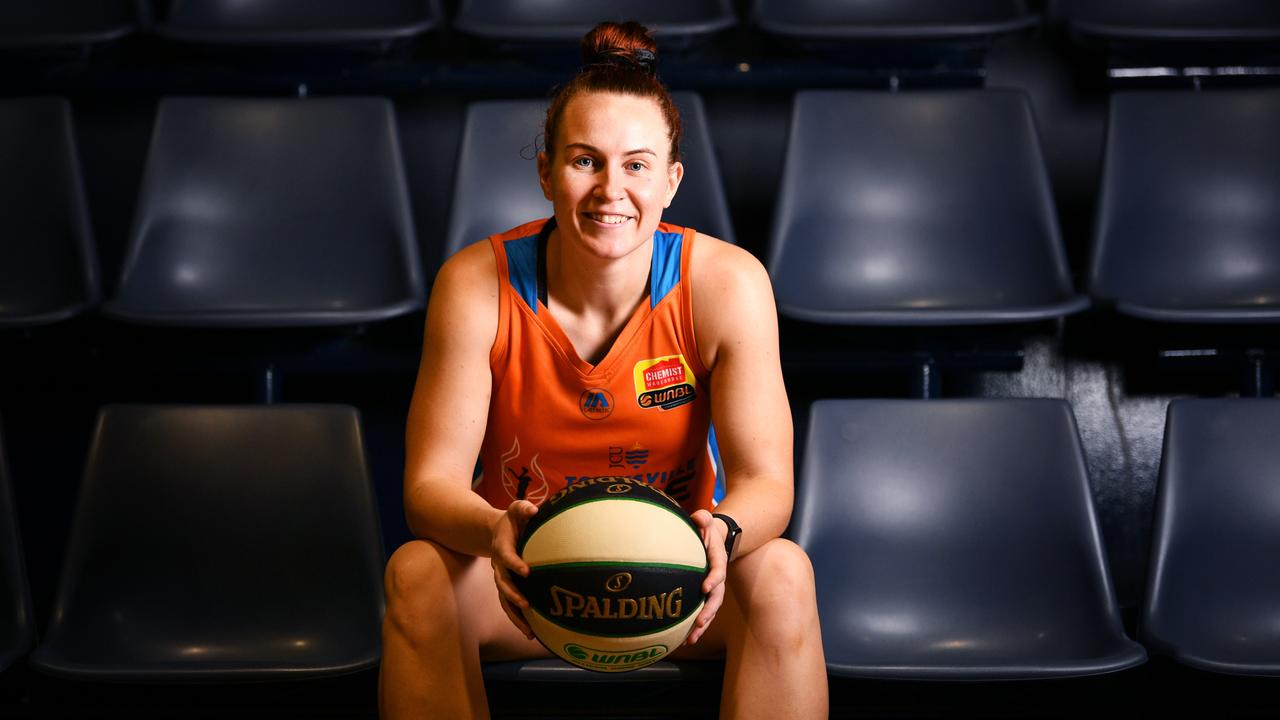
(664, 382)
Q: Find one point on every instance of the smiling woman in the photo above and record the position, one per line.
(599, 342)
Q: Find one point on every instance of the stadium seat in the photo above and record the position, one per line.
(1189, 207)
(297, 22)
(220, 543)
(271, 213)
(892, 19)
(1212, 592)
(64, 23)
(956, 539)
(497, 159)
(525, 21)
(917, 208)
(48, 262)
(17, 624)
(1182, 21)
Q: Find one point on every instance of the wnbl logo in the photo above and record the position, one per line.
(596, 403)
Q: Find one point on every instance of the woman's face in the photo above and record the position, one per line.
(608, 172)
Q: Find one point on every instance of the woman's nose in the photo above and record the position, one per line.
(610, 185)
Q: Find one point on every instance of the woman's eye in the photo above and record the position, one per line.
(635, 166)
(583, 162)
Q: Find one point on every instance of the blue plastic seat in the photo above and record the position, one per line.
(917, 208)
(297, 22)
(1182, 21)
(64, 23)
(496, 187)
(1189, 208)
(1212, 590)
(893, 19)
(531, 21)
(17, 623)
(48, 262)
(271, 213)
(220, 543)
(956, 539)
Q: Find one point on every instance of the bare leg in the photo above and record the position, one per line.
(768, 631)
(442, 617)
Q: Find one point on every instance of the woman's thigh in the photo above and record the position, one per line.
(477, 597)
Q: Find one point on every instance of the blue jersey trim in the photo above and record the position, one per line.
(522, 268)
(664, 271)
(718, 494)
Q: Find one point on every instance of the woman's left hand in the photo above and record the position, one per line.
(713, 535)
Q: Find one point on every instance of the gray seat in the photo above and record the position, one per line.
(497, 159)
(271, 213)
(1189, 207)
(915, 209)
(48, 263)
(1182, 21)
(64, 23)
(297, 22)
(956, 539)
(892, 19)
(17, 623)
(220, 543)
(531, 21)
(1212, 589)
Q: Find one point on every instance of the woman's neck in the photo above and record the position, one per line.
(586, 285)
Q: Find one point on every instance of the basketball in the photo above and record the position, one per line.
(615, 574)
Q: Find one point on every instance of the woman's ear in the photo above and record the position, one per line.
(544, 174)
(675, 173)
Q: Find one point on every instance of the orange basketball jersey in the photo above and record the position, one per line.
(643, 412)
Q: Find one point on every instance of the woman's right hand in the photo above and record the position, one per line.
(502, 554)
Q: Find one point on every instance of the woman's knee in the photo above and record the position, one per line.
(778, 582)
(418, 583)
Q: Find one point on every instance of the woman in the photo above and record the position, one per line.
(599, 342)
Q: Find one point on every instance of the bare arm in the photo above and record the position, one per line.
(736, 323)
(450, 407)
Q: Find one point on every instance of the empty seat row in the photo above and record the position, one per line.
(895, 209)
(284, 22)
(951, 539)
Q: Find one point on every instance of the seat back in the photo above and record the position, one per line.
(956, 539)
(64, 23)
(884, 20)
(1212, 591)
(1189, 208)
(529, 21)
(496, 187)
(17, 624)
(291, 22)
(271, 212)
(917, 208)
(48, 262)
(220, 542)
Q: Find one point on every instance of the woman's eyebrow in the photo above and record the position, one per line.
(594, 149)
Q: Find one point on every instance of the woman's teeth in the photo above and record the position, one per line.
(609, 219)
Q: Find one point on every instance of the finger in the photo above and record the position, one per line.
(719, 565)
(702, 519)
(707, 614)
(506, 554)
(517, 619)
(508, 590)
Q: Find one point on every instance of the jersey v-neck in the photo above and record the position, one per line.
(561, 338)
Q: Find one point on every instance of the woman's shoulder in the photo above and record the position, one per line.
(716, 264)
(468, 280)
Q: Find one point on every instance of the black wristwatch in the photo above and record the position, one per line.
(730, 540)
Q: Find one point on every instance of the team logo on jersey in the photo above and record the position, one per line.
(596, 403)
(523, 482)
(620, 457)
(664, 382)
